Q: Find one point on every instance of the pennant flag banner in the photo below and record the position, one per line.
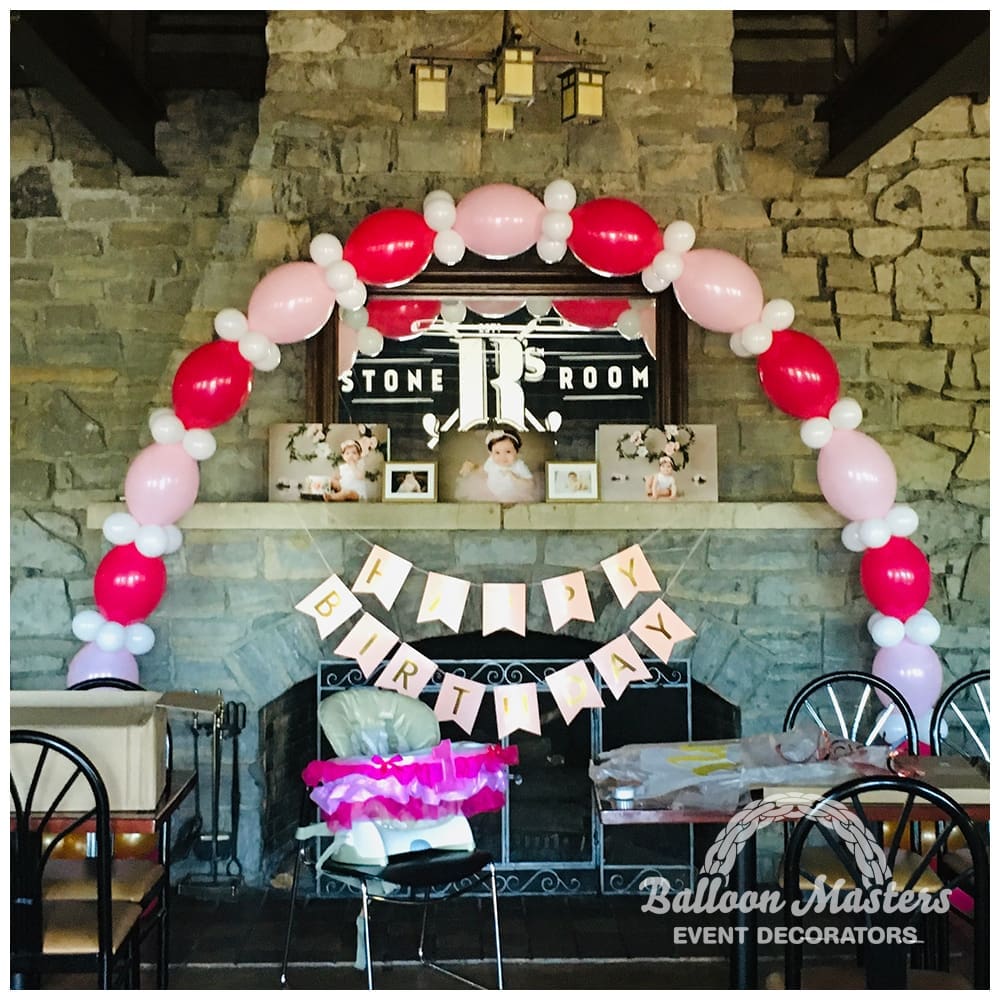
(629, 574)
(408, 672)
(660, 629)
(459, 700)
(330, 604)
(619, 664)
(504, 607)
(369, 642)
(383, 575)
(517, 708)
(572, 689)
(567, 599)
(444, 600)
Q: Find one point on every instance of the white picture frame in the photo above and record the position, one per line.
(410, 482)
(571, 482)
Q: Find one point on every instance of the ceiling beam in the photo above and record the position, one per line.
(66, 54)
(929, 58)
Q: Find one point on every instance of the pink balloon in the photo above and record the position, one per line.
(161, 484)
(498, 221)
(92, 662)
(719, 291)
(914, 670)
(494, 308)
(292, 303)
(856, 476)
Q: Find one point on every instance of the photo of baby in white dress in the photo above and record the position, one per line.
(498, 469)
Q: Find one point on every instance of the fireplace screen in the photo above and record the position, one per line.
(548, 839)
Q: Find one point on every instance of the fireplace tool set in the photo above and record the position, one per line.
(218, 847)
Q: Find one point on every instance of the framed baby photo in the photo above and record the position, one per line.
(326, 461)
(410, 481)
(494, 464)
(658, 463)
(569, 481)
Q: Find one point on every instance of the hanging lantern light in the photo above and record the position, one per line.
(430, 89)
(496, 117)
(582, 93)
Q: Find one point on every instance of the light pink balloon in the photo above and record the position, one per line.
(494, 308)
(291, 304)
(161, 484)
(719, 291)
(347, 348)
(914, 670)
(856, 476)
(92, 662)
(499, 221)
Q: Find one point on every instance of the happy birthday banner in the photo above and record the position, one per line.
(407, 671)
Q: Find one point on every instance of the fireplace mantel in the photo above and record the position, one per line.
(402, 516)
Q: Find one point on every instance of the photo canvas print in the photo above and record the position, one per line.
(327, 462)
(660, 464)
(494, 465)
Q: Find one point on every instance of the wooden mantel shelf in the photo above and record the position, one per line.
(403, 516)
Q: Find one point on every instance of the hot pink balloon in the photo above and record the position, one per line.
(212, 384)
(597, 314)
(128, 585)
(798, 374)
(499, 221)
(719, 291)
(914, 670)
(856, 476)
(614, 236)
(394, 318)
(161, 484)
(896, 578)
(292, 303)
(390, 246)
(92, 663)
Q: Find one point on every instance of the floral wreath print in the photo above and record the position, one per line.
(654, 442)
(314, 441)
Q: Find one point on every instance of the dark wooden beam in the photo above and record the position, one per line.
(929, 58)
(806, 76)
(66, 54)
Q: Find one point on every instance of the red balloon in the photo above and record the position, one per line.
(798, 374)
(896, 578)
(394, 318)
(596, 314)
(390, 246)
(613, 236)
(128, 585)
(212, 384)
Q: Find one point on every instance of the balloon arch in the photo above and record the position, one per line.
(609, 236)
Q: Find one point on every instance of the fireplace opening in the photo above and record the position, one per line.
(548, 839)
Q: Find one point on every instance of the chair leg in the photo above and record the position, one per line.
(291, 917)
(163, 940)
(496, 924)
(368, 937)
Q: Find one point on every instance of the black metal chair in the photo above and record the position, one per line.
(960, 722)
(846, 704)
(97, 934)
(840, 820)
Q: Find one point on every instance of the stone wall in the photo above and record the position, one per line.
(114, 279)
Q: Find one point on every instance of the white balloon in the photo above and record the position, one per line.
(453, 311)
(270, 361)
(557, 226)
(652, 282)
(756, 338)
(736, 346)
(778, 314)
(678, 237)
(551, 251)
(816, 432)
(924, 728)
(230, 324)
(110, 637)
(874, 532)
(354, 318)
(340, 276)
(325, 249)
(151, 540)
(370, 341)
(438, 195)
(353, 297)
(139, 638)
(86, 624)
(120, 528)
(902, 520)
(440, 215)
(923, 628)
(553, 421)
(850, 535)
(887, 631)
(629, 324)
(449, 247)
(253, 347)
(538, 306)
(165, 426)
(668, 265)
(560, 196)
(845, 414)
(175, 538)
(199, 444)
(894, 729)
